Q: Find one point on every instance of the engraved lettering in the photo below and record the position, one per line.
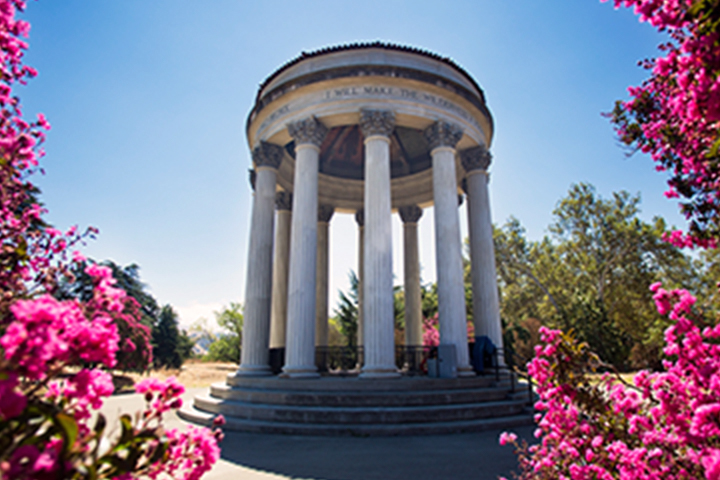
(376, 91)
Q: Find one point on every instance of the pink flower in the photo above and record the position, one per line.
(12, 403)
(506, 438)
(168, 391)
(711, 464)
(47, 331)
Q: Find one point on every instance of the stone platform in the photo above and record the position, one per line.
(353, 406)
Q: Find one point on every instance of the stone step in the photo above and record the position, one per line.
(356, 384)
(339, 398)
(191, 414)
(358, 415)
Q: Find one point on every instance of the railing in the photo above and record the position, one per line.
(517, 367)
(414, 361)
(338, 360)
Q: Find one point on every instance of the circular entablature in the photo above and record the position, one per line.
(334, 85)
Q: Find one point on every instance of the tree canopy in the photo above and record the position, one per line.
(226, 346)
(591, 275)
(170, 345)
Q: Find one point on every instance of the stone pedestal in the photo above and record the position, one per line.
(258, 284)
(442, 138)
(379, 348)
(281, 267)
(486, 308)
(300, 341)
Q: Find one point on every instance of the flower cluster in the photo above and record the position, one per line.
(431, 334)
(54, 353)
(431, 331)
(675, 114)
(664, 425)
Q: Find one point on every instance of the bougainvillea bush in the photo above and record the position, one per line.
(55, 355)
(663, 425)
(675, 114)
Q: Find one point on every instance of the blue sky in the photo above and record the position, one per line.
(148, 102)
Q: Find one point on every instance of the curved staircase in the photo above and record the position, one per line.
(352, 406)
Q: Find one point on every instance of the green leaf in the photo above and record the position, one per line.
(714, 149)
(158, 454)
(127, 429)
(68, 427)
(100, 424)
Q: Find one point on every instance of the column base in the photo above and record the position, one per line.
(252, 371)
(379, 371)
(466, 371)
(309, 371)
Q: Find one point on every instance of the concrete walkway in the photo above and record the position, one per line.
(251, 456)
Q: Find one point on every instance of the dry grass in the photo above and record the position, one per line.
(194, 373)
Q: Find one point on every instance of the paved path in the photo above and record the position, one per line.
(251, 456)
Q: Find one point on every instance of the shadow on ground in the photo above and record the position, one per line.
(247, 456)
(473, 455)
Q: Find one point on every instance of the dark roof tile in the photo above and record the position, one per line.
(360, 46)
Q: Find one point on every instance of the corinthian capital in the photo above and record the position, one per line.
(476, 158)
(283, 200)
(252, 176)
(360, 217)
(410, 214)
(377, 122)
(325, 213)
(443, 134)
(308, 130)
(267, 155)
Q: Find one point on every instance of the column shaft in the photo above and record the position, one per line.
(451, 288)
(321, 286)
(281, 267)
(359, 217)
(258, 283)
(300, 342)
(486, 307)
(379, 343)
(413, 295)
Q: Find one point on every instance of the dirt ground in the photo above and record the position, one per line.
(193, 373)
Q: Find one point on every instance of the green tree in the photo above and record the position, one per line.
(171, 346)
(127, 278)
(135, 343)
(592, 275)
(226, 347)
(346, 314)
(399, 314)
(429, 302)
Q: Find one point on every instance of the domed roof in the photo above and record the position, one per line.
(269, 81)
(377, 59)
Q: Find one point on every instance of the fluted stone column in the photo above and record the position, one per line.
(413, 299)
(258, 283)
(325, 213)
(379, 343)
(300, 340)
(486, 309)
(442, 138)
(281, 267)
(360, 219)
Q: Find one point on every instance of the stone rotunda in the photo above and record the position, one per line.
(369, 130)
